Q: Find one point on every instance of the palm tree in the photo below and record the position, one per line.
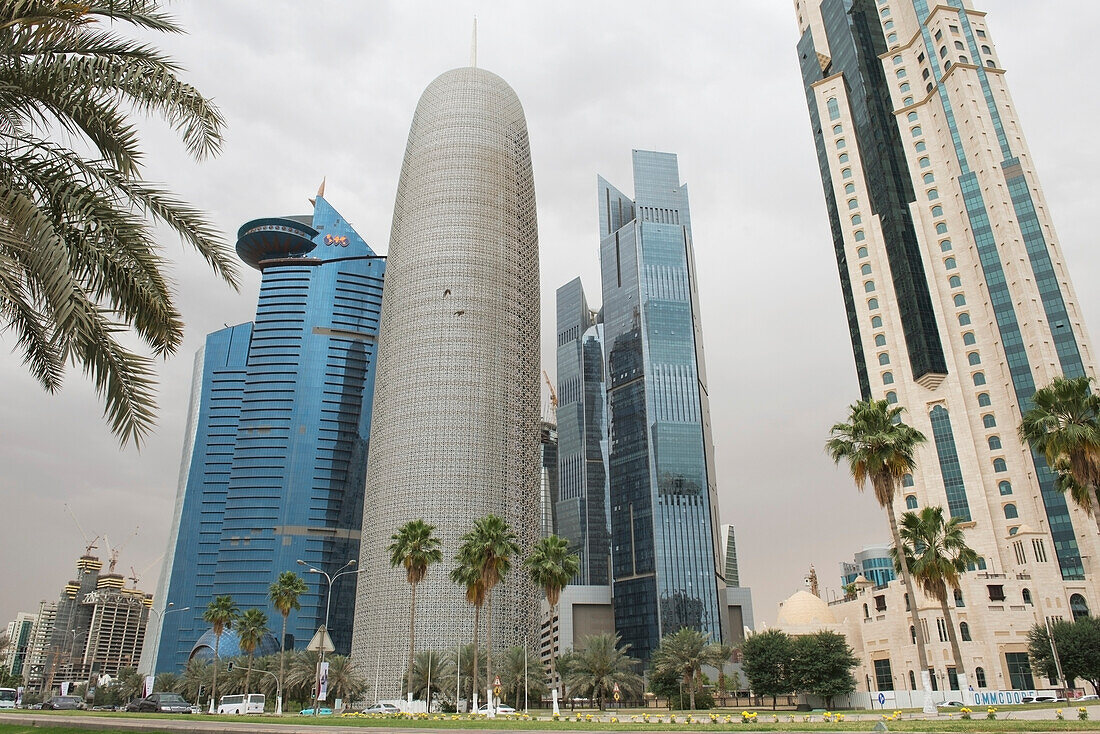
(516, 666)
(344, 679)
(251, 628)
(937, 554)
(167, 682)
(593, 670)
(284, 595)
(458, 677)
(414, 547)
(301, 674)
(685, 653)
(196, 674)
(430, 670)
(552, 566)
(80, 270)
(220, 614)
(878, 448)
(467, 573)
(1064, 426)
(491, 544)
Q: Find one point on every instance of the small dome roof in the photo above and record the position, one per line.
(804, 609)
(862, 580)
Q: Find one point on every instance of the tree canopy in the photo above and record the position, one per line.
(1078, 646)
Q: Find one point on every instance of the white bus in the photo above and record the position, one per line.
(253, 703)
(7, 698)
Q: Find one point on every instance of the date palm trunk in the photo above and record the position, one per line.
(907, 580)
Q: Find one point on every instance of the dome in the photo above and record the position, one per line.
(230, 646)
(803, 609)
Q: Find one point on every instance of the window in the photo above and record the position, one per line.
(880, 340)
(1019, 671)
(1078, 606)
(968, 338)
(861, 252)
(964, 60)
(929, 178)
(955, 281)
(979, 378)
(840, 143)
(897, 60)
(947, 65)
(959, 46)
(945, 246)
(860, 235)
(834, 108)
(941, 228)
(910, 502)
(941, 629)
(990, 63)
(837, 129)
(846, 173)
(884, 358)
(906, 597)
(1011, 512)
(884, 677)
(843, 158)
(849, 188)
(952, 679)
(892, 38)
(925, 163)
(869, 287)
(872, 304)
(906, 100)
(880, 603)
(983, 399)
(959, 598)
(913, 634)
(1005, 487)
(876, 322)
(981, 563)
(974, 358)
(939, 34)
(888, 25)
(913, 678)
(996, 592)
(949, 263)
(1026, 593)
(900, 73)
(892, 397)
(954, 29)
(960, 299)
(925, 74)
(907, 480)
(885, 12)
(994, 443)
(933, 194)
(920, 146)
(981, 33)
(999, 465)
(964, 631)
(989, 421)
(912, 116)
(943, 51)
(964, 319)
(856, 219)
(852, 204)
(937, 211)
(866, 612)
(916, 131)
(986, 49)
(979, 677)
(887, 378)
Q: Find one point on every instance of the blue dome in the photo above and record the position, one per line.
(230, 646)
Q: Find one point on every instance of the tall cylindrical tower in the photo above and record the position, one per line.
(455, 430)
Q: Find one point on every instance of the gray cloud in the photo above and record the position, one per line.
(328, 89)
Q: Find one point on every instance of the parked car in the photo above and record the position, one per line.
(161, 703)
(320, 712)
(382, 708)
(1089, 697)
(953, 704)
(500, 709)
(63, 703)
(252, 703)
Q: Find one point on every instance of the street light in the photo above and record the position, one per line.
(342, 571)
(160, 627)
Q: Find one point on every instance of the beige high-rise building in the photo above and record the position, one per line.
(959, 306)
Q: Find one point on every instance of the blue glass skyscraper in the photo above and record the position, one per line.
(276, 447)
(666, 572)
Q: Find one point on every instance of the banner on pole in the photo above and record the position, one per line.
(322, 687)
(149, 682)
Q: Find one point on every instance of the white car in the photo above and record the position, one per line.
(1090, 697)
(382, 708)
(500, 709)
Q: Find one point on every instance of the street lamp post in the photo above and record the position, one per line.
(160, 627)
(342, 571)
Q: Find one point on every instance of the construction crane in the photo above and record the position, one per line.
(89, 545)
(135, 576)
(553, 397)
(112, 553)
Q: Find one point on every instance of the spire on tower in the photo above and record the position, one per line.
(320, 191)
(473, 45)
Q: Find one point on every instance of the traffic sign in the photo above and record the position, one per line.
(881, 698)
(321, 641)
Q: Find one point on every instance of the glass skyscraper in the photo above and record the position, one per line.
(581, 506)
(666, 568)
(958, 301)
(275, 453)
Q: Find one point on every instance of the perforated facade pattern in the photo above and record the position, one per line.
(455, 432)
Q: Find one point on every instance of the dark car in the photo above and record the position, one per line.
(161, 703)
(63, 703)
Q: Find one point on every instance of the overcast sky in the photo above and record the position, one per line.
(328, 89)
